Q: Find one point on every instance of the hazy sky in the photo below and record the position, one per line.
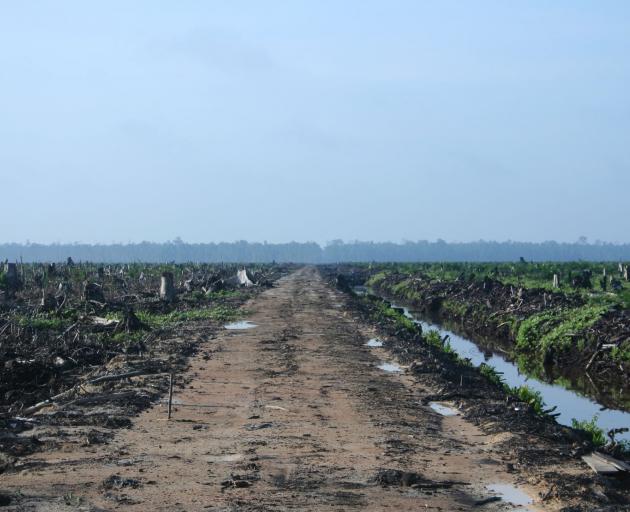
(314, 120)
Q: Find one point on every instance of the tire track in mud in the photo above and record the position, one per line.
(290, 415)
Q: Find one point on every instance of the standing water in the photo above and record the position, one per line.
(568, 403)
(240, 325)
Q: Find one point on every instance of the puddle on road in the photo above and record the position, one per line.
(444, 410)
(175, 401)
(230, 457)
(390, 367)
(511, 494)
(240, 325)
(374, 342)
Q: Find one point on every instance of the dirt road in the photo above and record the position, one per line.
(294, 414)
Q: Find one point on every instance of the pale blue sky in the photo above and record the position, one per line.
(314, 120)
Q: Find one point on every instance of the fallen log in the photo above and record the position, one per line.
(105, 378)
(105, 397)
(118, 376)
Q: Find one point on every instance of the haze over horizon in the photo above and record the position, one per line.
(280, 121)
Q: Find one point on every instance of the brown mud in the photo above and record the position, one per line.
(295, 414)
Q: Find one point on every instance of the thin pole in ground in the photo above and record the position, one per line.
(170, 394)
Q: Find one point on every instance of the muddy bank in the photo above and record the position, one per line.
(536, 440)
(579, 339)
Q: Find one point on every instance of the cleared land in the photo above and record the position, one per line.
(295, 414)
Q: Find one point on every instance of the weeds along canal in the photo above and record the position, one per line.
(569, 403)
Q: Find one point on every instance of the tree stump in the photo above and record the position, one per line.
(12, 280)
(131, 322)
(48, 302)
(93, 291)
(167, 289)
(556, 281)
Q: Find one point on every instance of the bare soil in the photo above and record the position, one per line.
(294, 414)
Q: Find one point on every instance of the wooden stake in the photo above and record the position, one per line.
(170, 394)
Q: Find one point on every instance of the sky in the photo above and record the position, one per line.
(314, 120)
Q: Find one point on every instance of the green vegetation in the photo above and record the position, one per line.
(622, 352)
(220, 313)
(518, 302)
(43, 322)
(490, 373)
(557, 329)
(385, 311)
(377, 278)
(524, 394)
(524, 275)
(531, 397)
(590, 427)
(433, 338)
(128, 337)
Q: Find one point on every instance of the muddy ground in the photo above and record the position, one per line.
(295, 414)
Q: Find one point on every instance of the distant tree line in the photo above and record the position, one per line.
(311, 252)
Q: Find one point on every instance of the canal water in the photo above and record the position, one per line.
(569, 403)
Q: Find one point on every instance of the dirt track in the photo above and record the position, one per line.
(291, 415)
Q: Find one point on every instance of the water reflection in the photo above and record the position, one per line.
(568, 402)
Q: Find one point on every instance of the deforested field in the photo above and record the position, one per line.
(280, 387)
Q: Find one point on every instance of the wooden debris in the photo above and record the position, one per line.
(604, 464)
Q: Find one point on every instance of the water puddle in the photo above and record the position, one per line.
(511, 494)
(390, 367)
(240, 325)
(442, 409)
(230, 457)
(374, 342)
(175, 401)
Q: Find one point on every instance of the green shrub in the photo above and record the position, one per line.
(377, 278)
(531, 397)
(593, 431)
(490, 373)
(556, 329)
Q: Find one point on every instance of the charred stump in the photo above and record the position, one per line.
(132, 323)
(48, 301)
(93, 291)
(12, 281)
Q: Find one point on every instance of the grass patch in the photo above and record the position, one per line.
(221, 313)
(622, 352)
(43, 323)
(557, 330)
